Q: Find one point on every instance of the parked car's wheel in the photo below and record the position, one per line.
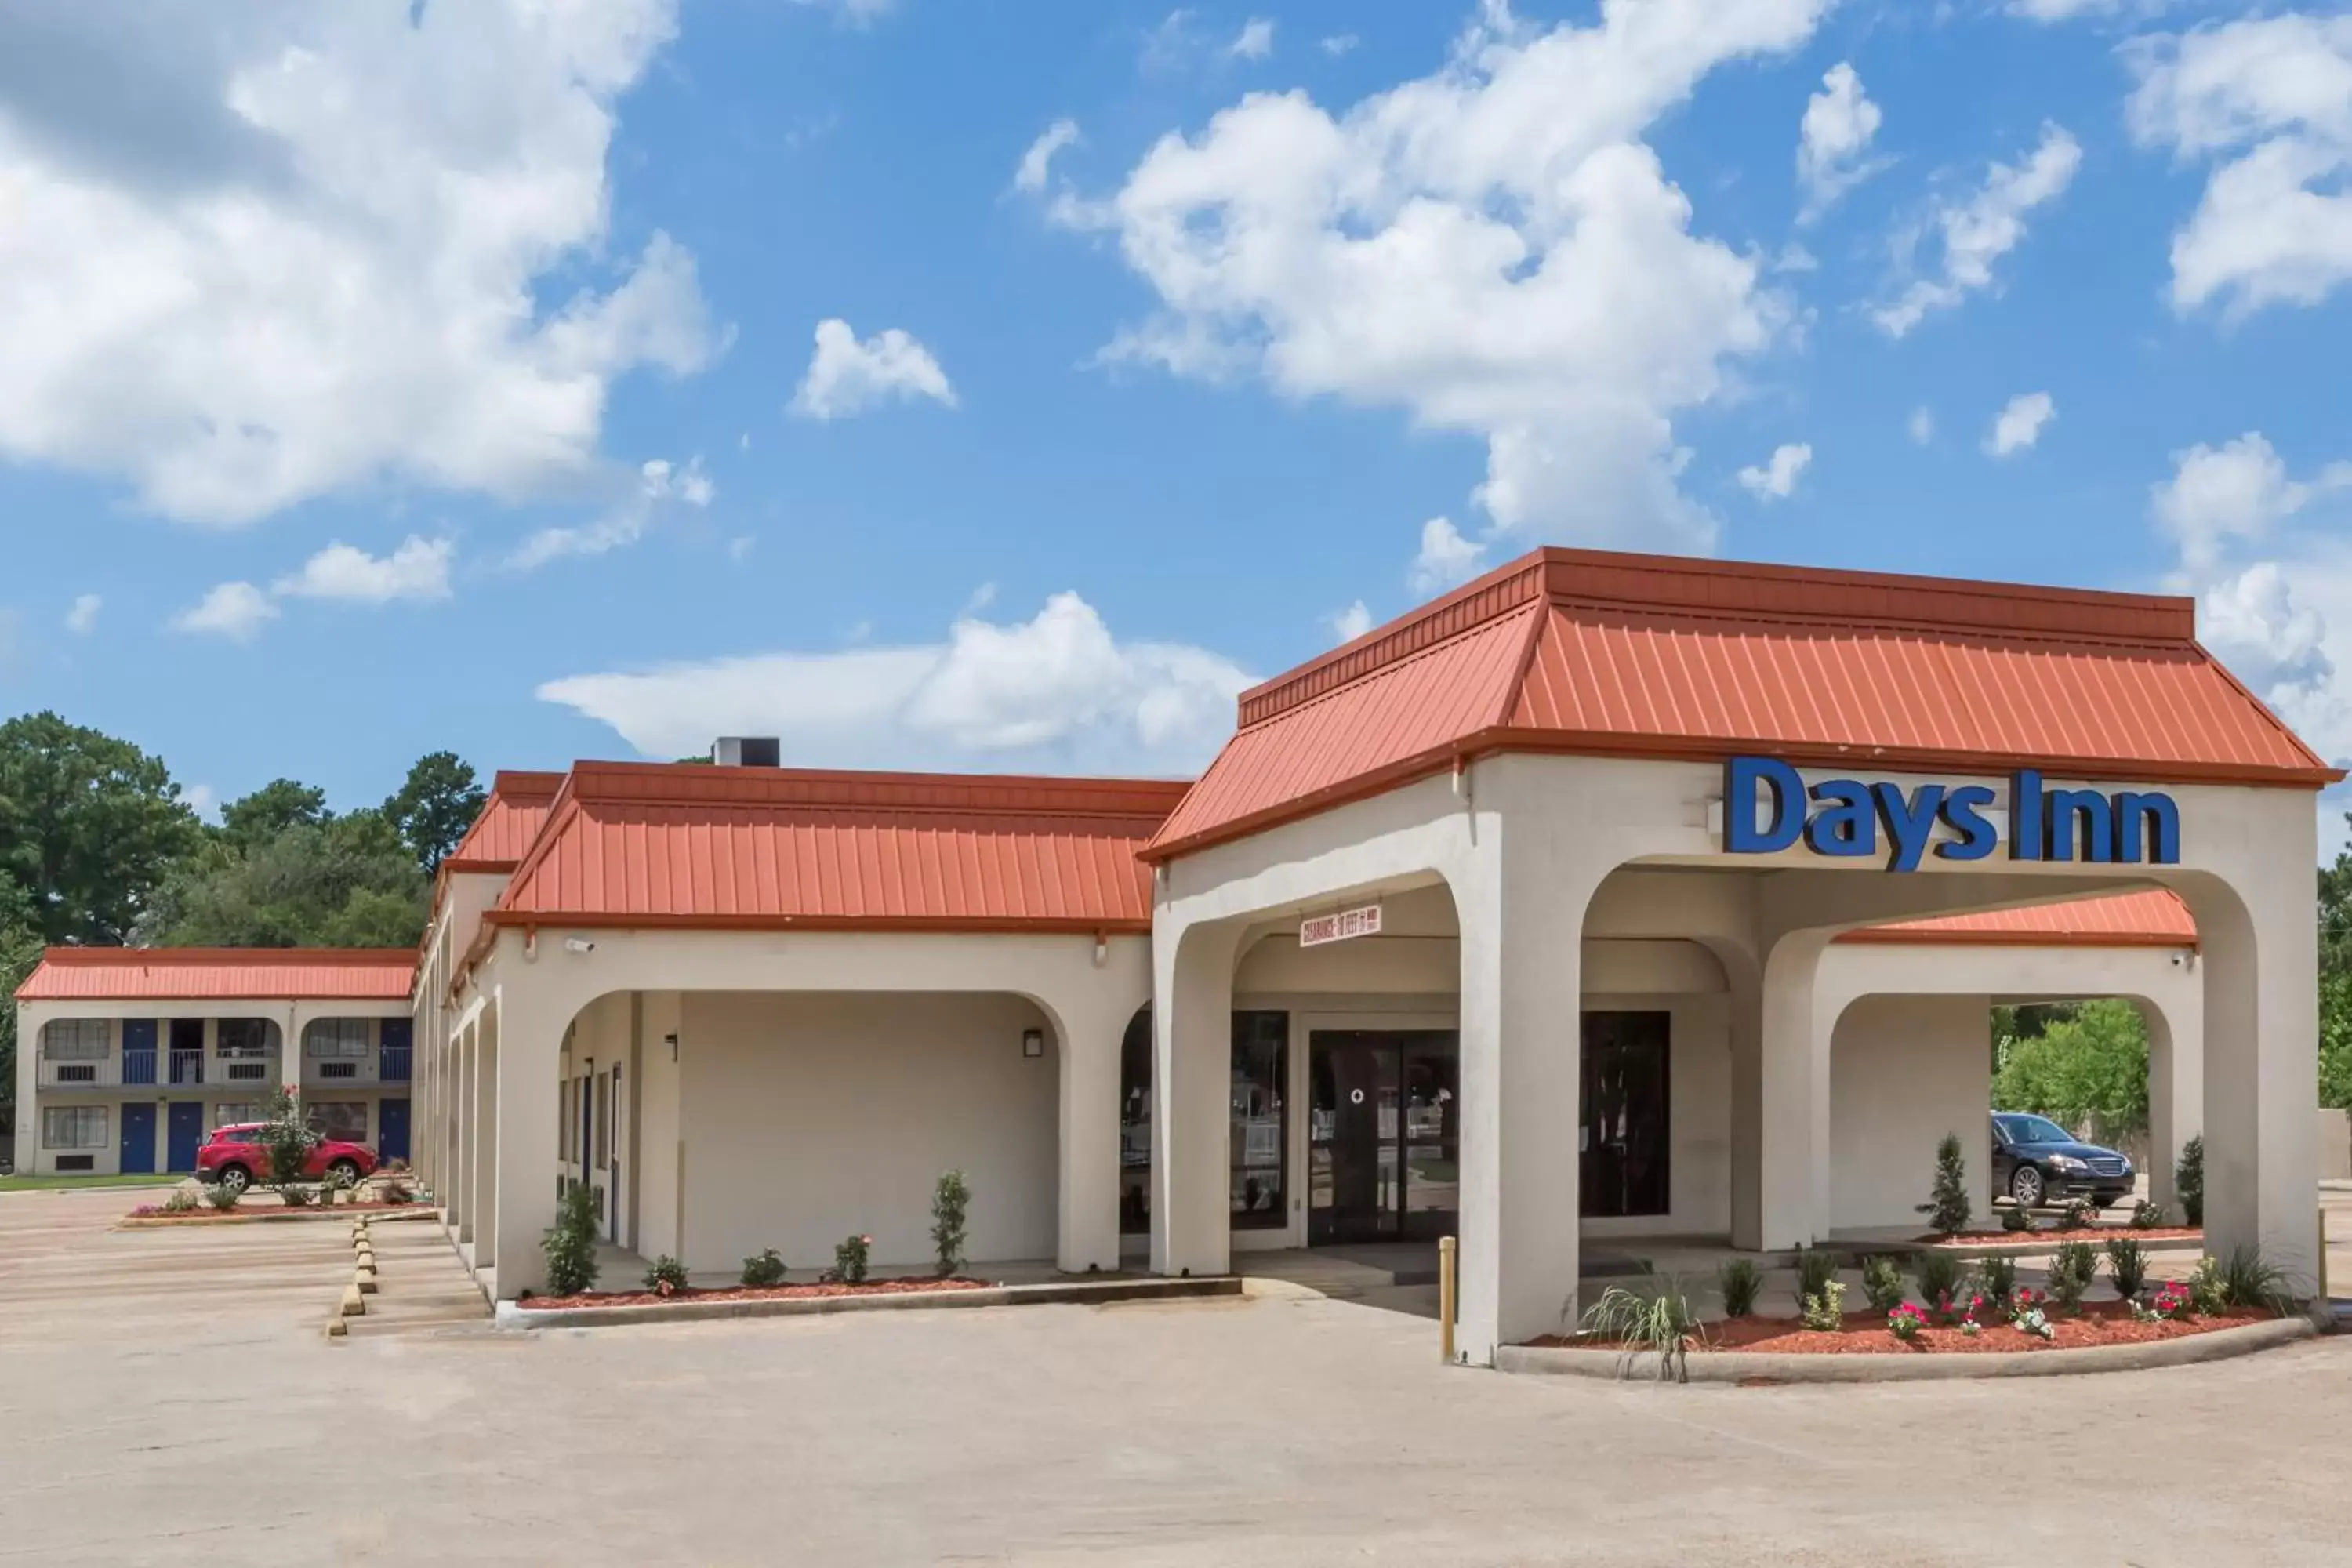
(348, 1170)
(236, 1178)
(2026, 1188)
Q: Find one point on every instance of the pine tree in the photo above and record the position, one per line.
(569, 1243)
(2189, 1180)
(1947, 1210)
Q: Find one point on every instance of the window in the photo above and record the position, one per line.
(252, 1072)
(1135, 1126)
(604, 1119)
(1626, 1123)
(337, 1037)
(73, 1127)
(247, 1038)
(563, 1120)
(230, 1115)
(76, 1039)
(339, 1070)
(346, 1119)
(1259, 1136)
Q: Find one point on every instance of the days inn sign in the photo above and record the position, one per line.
(1768, 807)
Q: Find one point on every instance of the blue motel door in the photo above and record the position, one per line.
(186, 1128)
(138, 1138)
(392, 1130)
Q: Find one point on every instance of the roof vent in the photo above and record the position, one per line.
(748, 752)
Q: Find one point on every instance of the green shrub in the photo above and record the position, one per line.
(394, 1191)
(2248, 1280)
(1740, 1284)
(295, 1197)
(2017, 1218)
(763, 1269)
(333, 1185)
(849, 1259)
(1815, 1269)
(1663, 1323)
(667, 1276)
(181, 1201)
(569, 1243)
(1824, 1310)
(2127, 1265)
(1947, 1207)
(222, 1196)
(2079, 1213)
(2189, 1180)
(2071, 1269)
(2151, 1217)
(1882, 1284)
(2207, 1292)
(286, 1139)
(1939, 1277)
(950, 1200)
(1997, 1278)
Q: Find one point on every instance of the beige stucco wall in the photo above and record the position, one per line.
(1903, 1071)
(814, 1116)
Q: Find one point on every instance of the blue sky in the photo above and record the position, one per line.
(379, 379)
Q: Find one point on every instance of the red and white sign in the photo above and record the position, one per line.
(1346, 923)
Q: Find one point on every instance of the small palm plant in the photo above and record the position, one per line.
(2127, 1265)
(1662, 1324)
(1740, 1284)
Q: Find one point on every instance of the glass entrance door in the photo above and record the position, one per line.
(1383, 1137)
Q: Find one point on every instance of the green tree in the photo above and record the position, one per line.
(272, 809)
(88, 826)
(2335, 1038)
(345, 882)
(433, 808)
(2089, 1069)
(20, 949)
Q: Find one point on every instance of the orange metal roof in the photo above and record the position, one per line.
(1593, 652)
(664, 845)
(221, 973)
(510, 819)
(2152, 918)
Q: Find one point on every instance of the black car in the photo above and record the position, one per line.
(2037, 1161)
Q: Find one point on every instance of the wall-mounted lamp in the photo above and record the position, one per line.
(671, 1041)
(1033, 1042)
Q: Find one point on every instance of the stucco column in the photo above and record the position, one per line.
(1191, 1099)
(1089, 1032)
(1521, 905)
(2176, 1074)
(1747, 996)
(2261, 1032)
(525, 1055)
(27, 1146)
(1792, 1098)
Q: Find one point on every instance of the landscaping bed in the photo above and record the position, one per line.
(153, 1215)
(2031, 1238)
(1866, 1333)
(748, 1294)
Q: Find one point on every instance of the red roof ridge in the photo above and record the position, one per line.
(675, 783)
(1732, 591)
(527, 783)
(111, 955)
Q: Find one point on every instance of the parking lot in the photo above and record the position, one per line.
(166, 1397)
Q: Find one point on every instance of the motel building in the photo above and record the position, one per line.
(126, 1058)
(1608, 899)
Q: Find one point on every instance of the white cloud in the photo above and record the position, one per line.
(259, 254)
(1834, 142)
(1776, 478)
(2236, 493)
(1057, 692)
(2061, 10)
(417, 569)
(1037, 164)
(1446, 558)
(82, 619)
(1923, 424)
(1254, 42)
(237, 610)
(202, 799)
(1351, 623)
(854, 13)
(1338, 44)
(847, 377)
(2269, 99)
(739, 547)
(1975, 233)
(658, 486)
(1491, 247)
(2020, 423)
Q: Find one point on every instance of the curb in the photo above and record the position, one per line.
(1737, 1366)
(524, 1318)
(268, 1216)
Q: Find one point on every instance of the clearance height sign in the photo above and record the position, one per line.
(1768, 807)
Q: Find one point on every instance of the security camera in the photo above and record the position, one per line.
(582, 944)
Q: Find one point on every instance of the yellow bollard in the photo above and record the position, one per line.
(1445, 1256)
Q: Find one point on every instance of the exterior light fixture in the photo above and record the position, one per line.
(671, 1040)
(1033, 1042)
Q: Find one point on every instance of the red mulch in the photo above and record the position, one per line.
(1866, 1333)
(209, 1215)
(2080, 1233)
(751, 1293)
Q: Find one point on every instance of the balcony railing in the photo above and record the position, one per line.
(187, 1067)
(392, 1064)
(139, 1067)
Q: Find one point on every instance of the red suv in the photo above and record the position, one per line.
(235, 1158)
